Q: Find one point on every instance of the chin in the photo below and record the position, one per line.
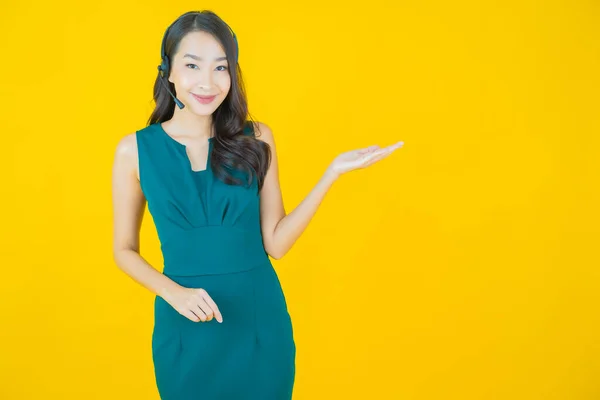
(203, 112)
(198, 109)
(205, 109)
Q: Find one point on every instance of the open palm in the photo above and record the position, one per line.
(361, 158)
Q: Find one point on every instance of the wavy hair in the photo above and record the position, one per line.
(232, 149)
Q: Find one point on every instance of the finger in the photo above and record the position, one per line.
(213, 306)
(205, 308)
(379, 157)
(374, 147)
(396, 146)
(191, 316)
(391, 148)
(199, 312)
(201, 304)
(365, 159)
(374, 155)
(368, 149)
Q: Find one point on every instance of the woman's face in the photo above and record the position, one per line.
(200, 68)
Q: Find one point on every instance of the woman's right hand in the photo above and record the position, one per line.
(194, 304)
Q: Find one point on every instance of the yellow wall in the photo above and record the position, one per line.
(463, 267)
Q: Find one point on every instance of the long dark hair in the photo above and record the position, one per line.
(232, 149)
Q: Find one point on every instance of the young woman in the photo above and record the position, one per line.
(210, 178)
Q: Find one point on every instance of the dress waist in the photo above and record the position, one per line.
(212, 250)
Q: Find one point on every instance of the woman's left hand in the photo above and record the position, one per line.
(361, 158)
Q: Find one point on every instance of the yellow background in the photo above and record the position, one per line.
(465, 266)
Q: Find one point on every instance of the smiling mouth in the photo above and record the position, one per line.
(203, 97)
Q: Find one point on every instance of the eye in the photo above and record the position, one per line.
(220, 66)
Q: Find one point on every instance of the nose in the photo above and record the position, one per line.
(205, 81)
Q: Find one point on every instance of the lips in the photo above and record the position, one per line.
(204, 99)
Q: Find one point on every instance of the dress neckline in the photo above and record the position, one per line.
(183, 150)
(160, 127)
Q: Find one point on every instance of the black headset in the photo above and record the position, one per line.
(164, 66)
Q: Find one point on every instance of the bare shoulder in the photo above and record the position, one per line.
(263, 132)
(127, 146)
(126, 152)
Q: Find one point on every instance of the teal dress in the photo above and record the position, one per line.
(210, 238)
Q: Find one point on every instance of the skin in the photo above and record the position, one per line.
(192, 126)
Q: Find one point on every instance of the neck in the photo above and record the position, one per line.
(184, 123)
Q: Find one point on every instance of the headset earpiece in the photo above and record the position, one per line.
(163, 67)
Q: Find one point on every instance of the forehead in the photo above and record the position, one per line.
(200, 43)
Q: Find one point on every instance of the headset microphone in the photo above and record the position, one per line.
(177, 101)
(163, 68)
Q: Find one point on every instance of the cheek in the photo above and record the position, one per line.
(186, 80)
(224, 83)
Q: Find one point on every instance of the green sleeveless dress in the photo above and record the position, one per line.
(210, 238)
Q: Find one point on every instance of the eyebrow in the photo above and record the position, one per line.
(195, 57)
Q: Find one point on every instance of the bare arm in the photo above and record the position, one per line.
(280, 230)
(128, 210)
